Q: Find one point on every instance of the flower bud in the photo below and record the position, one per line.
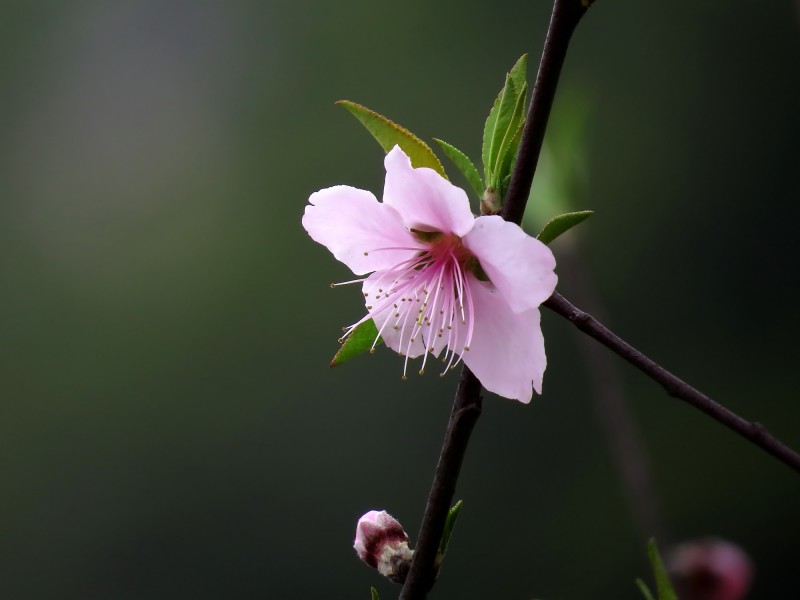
(382, 544)
(710, 569)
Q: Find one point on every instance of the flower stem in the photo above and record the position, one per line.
(467, 404)
(754, 432)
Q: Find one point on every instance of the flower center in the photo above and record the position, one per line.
(426, 300)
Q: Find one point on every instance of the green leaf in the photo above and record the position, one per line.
(502, 118)
(359, 341)
(449, 524)
(519, 71)
(374, 593)
(495, 130)
(663, 585)
(518, 75)
(464, 164)
(508, 147)
(558, 225)
(510, 159)
(488, 132)
(648, 595)
(389, 134)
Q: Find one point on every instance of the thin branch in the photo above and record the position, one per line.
(754, 432)
(467, 404)
(465, 413)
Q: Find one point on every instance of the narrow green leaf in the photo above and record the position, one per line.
(519, 72)
(663, 585)
(464, 164)
(648, 595)
(488, 131)
(499, 121)
(558, 225)
(504, 110)
(510, 159)
(449, 524)
(388, 134)
(358, 342)
(374, 593)
(508, 149)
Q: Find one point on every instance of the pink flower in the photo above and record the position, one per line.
(441, 279)
(382, 543)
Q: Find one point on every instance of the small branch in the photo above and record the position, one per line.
(467, 404)
(465, 413)
(754, 432)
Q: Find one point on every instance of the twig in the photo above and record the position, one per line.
(754, 432)
(465, 413)
(467, 404)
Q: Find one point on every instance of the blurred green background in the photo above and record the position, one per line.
(169, 427)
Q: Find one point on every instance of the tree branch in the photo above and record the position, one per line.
(467, 404)
(465, 413)
(754, 432)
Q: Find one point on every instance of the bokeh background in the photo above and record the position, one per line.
(169, 427)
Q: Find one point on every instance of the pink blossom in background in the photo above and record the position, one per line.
(438, 279)
(710, 569)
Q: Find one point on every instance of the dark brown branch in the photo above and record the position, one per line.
(467, 404)
(465, 413)
(754, 432)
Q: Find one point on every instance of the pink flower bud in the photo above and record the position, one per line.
(710, 569)
(382, 544)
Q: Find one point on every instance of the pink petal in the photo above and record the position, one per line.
(425, 199)
(507, 348)
(519, 266)
(350, 222)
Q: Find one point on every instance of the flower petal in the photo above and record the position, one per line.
(519, 266)
(351, 222)
(507, 348)
(425, 199)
